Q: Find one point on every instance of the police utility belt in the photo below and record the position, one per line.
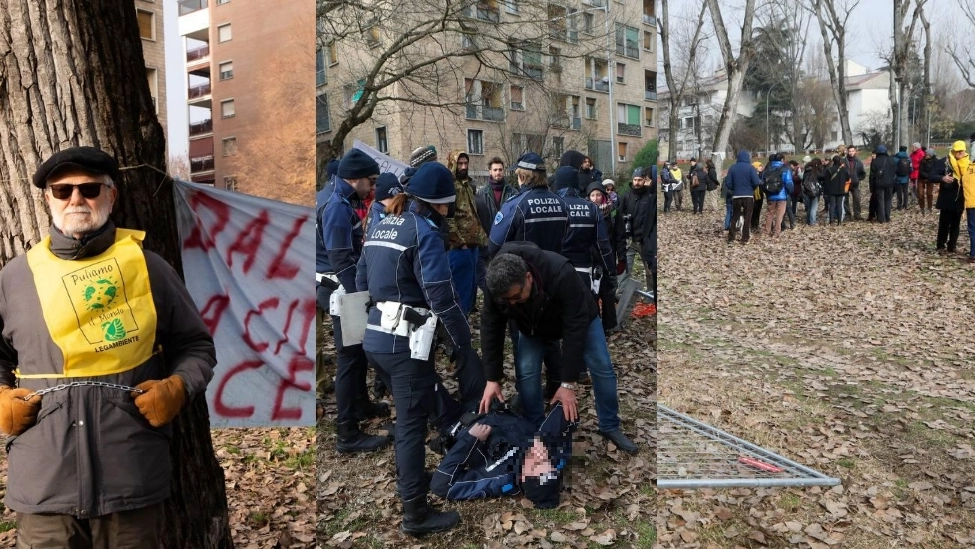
(595, 277)
(416, 323)
(352, 309)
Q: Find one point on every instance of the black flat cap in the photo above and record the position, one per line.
(88, 159)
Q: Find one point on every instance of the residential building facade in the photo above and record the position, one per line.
(150, 17)
(587, 82)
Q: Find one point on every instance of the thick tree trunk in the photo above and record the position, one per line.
(736, 68)
(72, 73)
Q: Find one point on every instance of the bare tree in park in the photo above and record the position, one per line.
(404, 68)
(960, 51)
(73, 74)
(735, 67)
(833, 17)
(687, 35)
(900, 58)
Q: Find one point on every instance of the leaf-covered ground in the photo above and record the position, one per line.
(609, 499)
(848, 349)
(270, 480)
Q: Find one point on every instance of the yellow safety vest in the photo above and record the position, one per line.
(98, 310)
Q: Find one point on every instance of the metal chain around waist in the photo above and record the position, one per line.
(64, 386)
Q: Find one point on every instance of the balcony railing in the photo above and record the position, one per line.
(494, 114)
(650, 95)
(629, 129)
(629, 50)
(189, 6)
(471, 111)
(196, 92)
(650, 20)
(197, 53)
(200, 128)
(201, 164)
(597, 85)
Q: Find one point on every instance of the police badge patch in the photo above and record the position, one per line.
(498, 218)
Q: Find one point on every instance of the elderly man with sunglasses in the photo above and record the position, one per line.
(542, 293)
(100, 348)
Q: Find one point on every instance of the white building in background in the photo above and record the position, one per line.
(866, 95)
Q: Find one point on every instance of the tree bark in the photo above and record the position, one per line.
(735, 68)
(832, 28)
(72, 73)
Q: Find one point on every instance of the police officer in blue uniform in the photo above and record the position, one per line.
(322, 378)
(387, 186)
(536, 214)
(586, 243)
(404, 266)
(341, 233)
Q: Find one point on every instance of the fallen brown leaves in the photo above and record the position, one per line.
(608, 501)
(846, 349)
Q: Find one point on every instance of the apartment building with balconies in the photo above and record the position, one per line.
(230, 47)
(571, 74)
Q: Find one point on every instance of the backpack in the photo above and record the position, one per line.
(904, 167)
(772, 180)
(810, 185)
(712, 183)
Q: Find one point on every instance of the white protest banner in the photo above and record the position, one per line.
(386, 163)
(248, 264)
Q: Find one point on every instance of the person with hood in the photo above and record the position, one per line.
(342, 236)
(903, 170)
(777, 180)
(464, 233)
(405, 269)
(615, 230)
(488, 201)
(571, 158)
(929, 174)
(962, 173)
(834, 188)
(638, 208)
(883, 177)
(586, 243)
(502, 454)
(543, 294)
(854, 167)
(741, 181)
(610, 187)
(917, 155)
(536, 214)
(950, 203)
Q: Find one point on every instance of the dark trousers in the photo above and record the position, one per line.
(901, 190)
(756, 219)
(418, 394)
(741, 209)
(607, 297)
(697, 200)
(884, 198)
(668, 200)
(125, 529)
(854, 196)
(949, 223)
(350, 375)
(835, 208)
(790, 212)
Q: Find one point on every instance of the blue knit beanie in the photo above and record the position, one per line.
(356, 165)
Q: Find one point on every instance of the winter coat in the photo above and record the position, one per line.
(916, 158)
(882, 172)
(639, 203)
(613, 221)
(966, 168)
(901, 179)
(834, 180)
(787, 187)
(91, 452)
(464, 228)
(854, 166)
(950, 197)
(742, 178)
(487, 208)
(560, 307)
(932, 169)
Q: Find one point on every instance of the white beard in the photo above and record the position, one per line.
(76, 221)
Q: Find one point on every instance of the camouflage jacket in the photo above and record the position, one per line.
(464, 227)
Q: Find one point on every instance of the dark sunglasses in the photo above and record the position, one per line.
(88, 190)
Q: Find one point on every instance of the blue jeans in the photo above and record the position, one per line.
(463, 272)
(835, 208)
(727, 215)
(528, 369)
(970, 217)
(812, 207)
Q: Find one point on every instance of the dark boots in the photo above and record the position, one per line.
(419, 518)
(352, 440)
(367, 409)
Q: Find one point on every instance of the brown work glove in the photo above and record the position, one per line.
(17, 414)
(162, 399)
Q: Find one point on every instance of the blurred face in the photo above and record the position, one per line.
(364, 186)
(596, 197)
(497, 171)
(536, 461)
(71, 212)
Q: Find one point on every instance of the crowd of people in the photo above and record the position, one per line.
(545, 251)
(831, 188)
